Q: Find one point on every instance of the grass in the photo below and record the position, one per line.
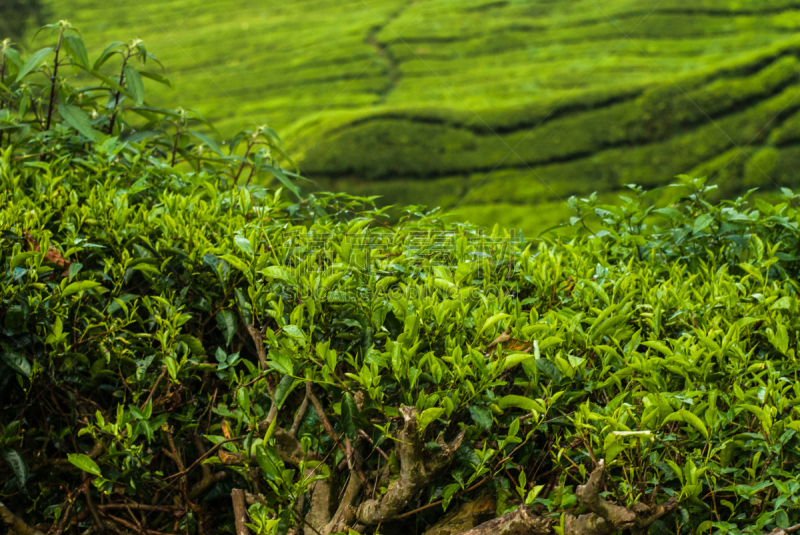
(422, 101)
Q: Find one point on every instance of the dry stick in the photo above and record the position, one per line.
(214, 448)
(262, 356)
(298, 419)
(434, 504)
(135, 520)
(153, 390)
(59, 528)
(259, 341)
(332, 433)
(54, 81)
(377, 477)
(90, 504)
(139, 506)
(208, 478)
(240, 512)
(210, 412)
(378, 449)
(175, 455)
(131, 526)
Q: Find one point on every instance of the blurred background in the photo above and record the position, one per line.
(495, 110)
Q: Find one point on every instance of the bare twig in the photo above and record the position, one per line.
(240, 512)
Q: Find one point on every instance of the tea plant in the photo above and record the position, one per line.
(185, 350)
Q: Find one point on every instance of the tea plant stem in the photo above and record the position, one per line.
(54, 81)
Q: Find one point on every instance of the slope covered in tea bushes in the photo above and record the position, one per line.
(494, 106)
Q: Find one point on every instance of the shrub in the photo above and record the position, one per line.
(186, 351)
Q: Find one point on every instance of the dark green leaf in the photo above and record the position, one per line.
(33, 62)
(17, 464)
(107, 53)
(281, 176)
(79, 120)
(213, 145)
(226, 320)
(481, 416)
(550, 369)
(16, 362)
(77, 51)
(156, 78)
(285, 387)
(134, 84)
(350, 416)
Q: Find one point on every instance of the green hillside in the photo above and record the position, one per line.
(497, 109)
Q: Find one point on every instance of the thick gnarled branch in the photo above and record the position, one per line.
(16, 524)
(417, 468)
(606, 517)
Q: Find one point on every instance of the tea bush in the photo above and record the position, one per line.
(187, 350)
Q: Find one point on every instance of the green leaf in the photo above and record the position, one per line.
(295, 333)
(120, 302)
(77, 51)
(79, 120)
(494, 319)
(661, 347)
(268, 463)
(74, 269)
(515, 358)
(17, 464)
(685, 416)
(156, 78)
(194, 345)
(243, 244)
(213, 145)
(13, 57)
(243, 398)
(271, 429)
(17, 362)
(134, 84)
(702, 222)
(279, 272)
(280, 362)
(482, 416)
(79, 286)
(107, 53)
(285, 387)
(520, 402)
(448, 493)
(20, 258)
(550, 369)
(784, 303)
(85, 463)
(759, 412)
(349, 416)
(226, 321)
(172, 367)
(281, 176)
(427, 417)
(33, 62)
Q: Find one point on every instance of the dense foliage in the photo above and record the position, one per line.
(557, 98)
(179, 342)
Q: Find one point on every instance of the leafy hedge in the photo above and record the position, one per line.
(184, 350)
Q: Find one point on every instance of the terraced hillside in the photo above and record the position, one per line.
(498, 109)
